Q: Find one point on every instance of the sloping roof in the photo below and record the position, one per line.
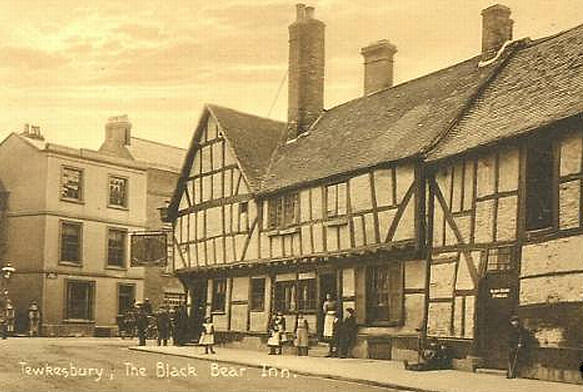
(252, 138)
(158, 155)
(540, 84)
(390, 125)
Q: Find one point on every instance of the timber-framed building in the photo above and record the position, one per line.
(439, 206)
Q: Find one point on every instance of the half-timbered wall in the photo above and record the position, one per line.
(479, 205)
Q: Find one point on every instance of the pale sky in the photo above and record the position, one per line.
(67, 65)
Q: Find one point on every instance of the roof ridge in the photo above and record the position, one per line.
(158, 143)
(211, 105)
(541, 40)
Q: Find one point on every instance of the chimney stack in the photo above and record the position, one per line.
(117, 137)
(32, 132)
(306, 71)
(496, 29)
(118, 130)
(378, 66)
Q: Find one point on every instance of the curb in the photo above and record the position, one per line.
(300, 372)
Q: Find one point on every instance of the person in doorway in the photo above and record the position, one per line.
(33, 319)
(301, 335)
(517, 346)
(163, 326)
(207, 337)
(274, 341)
(141, 325)
(329, 309)
(347, 334)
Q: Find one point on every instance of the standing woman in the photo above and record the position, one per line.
(329, 308)
(207, 337)
(274, 341)
(301, 335)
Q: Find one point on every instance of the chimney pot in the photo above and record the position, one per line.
(378, 65)
(309, 13)
(496, 29)
(300, 11)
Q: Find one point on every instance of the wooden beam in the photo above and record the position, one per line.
(455, 229)
(249, 235)
(399, 213)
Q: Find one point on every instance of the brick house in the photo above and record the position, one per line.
(439, 206)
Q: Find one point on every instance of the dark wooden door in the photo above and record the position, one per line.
(198, 293)
(498, 299)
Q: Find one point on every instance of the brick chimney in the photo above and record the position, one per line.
(496, 29)
(117, 136)
(306, 71)
(378, 65)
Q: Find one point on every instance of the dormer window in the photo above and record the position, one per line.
(283, 211)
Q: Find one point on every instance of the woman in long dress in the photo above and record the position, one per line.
(274, 341)
(301, 335)
(330, 310)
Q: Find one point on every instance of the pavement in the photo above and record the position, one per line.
(383, 373)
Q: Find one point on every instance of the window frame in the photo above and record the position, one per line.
(311, 304)
(79, 260)
(550, 222)
(91, 296)
(333, 189)
(132, 297)
(254, 294)
(124, 262)
(219, 307)
(394, 316)
(81, 197)
(126, 180)
(278, 211)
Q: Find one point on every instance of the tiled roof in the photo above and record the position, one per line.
(390, 125)
(541, 84)
(252, 138)
(156, 154)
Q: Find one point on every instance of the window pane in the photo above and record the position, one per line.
(71, 242)
(71, 183)
(118, 191)
(257, 294)
(80, 300)
(125, 298)
(116, 248)
(307, 295)
(539, 189)
(331, 200)
(219, 295)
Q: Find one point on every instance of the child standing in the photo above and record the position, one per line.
(301, 335)
(274, 341)
(207, 337)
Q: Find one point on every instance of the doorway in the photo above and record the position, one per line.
(328, 285)
(198, 293)
(498, 297)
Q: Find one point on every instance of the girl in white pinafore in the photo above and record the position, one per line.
(207, 337)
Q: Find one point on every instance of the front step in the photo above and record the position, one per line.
(495, 372)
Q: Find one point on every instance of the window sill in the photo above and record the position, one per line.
(384, 324)
(337, 222)
(78, 321)
(257, 310)
(536, 233)
(74, 201)
(287, 230)
(218, 312)
(71, 264)
(115, 268)
(116, 207)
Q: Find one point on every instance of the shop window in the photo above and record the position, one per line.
(257, 295)
(539, 185)
(385, 293)
(283, 211)
(285, 296)
(71, 242)
(80, 298)
(307, 295)
(219, 295)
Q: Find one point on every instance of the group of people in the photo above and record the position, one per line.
(8, 318)
(340, 333)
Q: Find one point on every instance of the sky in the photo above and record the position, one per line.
(68, 65)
